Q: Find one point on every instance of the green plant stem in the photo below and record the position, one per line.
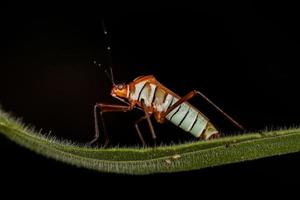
(163, 159)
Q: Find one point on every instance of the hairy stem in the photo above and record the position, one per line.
(163, 159)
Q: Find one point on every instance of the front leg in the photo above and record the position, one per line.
(106, 108)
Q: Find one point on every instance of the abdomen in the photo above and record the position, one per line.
(185, 116)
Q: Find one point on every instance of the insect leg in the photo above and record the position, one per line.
(220, 110)
(138, 129)
(96, 126)
(149, 122)
(180, 101)
(105, 108)
(191, 95)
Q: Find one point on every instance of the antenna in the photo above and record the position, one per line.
(108, 53)
(109, 75)
(221, 111)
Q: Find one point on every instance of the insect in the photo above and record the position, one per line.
(149, 95)
(155, 99)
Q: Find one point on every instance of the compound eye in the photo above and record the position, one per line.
(120, 86)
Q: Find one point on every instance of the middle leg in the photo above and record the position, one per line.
(147, 117)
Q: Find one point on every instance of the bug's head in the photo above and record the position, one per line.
(120, 90)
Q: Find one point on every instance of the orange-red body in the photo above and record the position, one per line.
(160, 102)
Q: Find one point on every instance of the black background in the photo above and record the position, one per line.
(243, 56)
